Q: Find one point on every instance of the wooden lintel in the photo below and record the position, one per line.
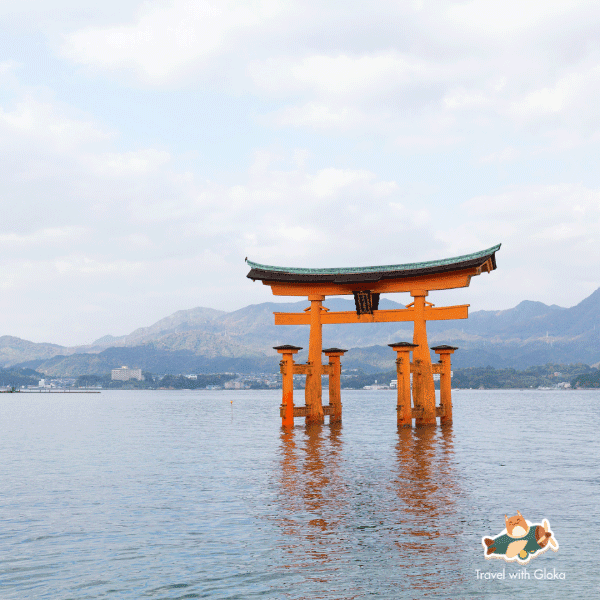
(440, 281)
(304, 369)
(416, 413)
(327, 370)
(303, 411)
(437, 368)
(299, 411)
(432, 313)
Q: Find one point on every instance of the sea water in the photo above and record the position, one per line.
(201, 494)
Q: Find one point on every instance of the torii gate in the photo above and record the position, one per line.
(366, 284)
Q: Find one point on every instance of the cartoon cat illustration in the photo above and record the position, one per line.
(521, 541)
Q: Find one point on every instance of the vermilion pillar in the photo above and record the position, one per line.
(313, 391)
(444, 353)
(423, 388)
(286, 367)
(404, 410)
(335, 372)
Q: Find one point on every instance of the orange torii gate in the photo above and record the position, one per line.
(366, 284)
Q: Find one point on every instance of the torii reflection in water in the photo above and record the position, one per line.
(352, 517)
(313, 503)
(431, 509)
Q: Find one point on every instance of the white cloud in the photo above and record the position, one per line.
(84, 265)
(572, 98)
(314, 115)
(505, 155)
(45, 237)
(118, 164)
(486, 63)
(428, 140)
(342, 75)
(7, 67)
(135, 241)
(401, 96)
(405, 218)
(463, 99)
(330, 182)
(458, 63)
(45, 122)
(168, 39)
(299, 235)
(492, 17)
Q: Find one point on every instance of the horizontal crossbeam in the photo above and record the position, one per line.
(430, 313)
(304, 411)
(417, 412)
(305, 369)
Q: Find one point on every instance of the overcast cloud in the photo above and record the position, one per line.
(148, 147)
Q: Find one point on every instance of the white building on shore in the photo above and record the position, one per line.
(125, 374)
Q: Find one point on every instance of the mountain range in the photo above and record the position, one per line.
(204, 340)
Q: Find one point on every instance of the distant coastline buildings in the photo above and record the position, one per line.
(125, 374)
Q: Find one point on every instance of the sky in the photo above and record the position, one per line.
(149, 147)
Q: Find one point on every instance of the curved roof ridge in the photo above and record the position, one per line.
(377, 269)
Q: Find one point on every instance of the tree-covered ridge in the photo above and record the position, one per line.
(587, 380)
(549, 375)
(14, 377)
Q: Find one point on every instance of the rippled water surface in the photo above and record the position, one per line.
(199, 494)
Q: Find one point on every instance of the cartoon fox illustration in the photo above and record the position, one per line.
(521, 541)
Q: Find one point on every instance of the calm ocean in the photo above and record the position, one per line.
(199, 494)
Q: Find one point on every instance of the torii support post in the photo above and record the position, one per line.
(286, 367)
(313, 392)
(423, 386)
(444, 352)
(403, 409)
(335, 372)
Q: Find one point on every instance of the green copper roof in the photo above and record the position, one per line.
(380, 269)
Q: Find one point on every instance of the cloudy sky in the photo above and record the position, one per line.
(148, 147)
